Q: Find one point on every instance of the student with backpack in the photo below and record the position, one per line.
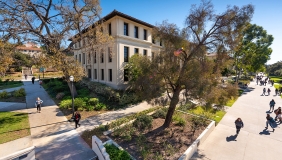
(270, 121)
(263, 91)
(238, 124)
(271, 104)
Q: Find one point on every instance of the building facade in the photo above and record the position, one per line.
(30, 49)
(106, 64)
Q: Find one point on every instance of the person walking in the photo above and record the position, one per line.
(32, 79)
(268, 91)
(25, 76)
(270, 121)
(238, 124)
(38, 103)
(276, 91)
(77, 119)
(277, 111)
(271, 104)
(40, 83)
(263, 91)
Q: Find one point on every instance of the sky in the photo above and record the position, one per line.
(267, 14)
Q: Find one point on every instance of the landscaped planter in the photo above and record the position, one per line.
(167, 148)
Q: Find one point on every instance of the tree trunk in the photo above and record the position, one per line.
(172, 106)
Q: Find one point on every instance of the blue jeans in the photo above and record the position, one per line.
(270, 123)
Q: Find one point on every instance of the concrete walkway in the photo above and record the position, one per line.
(92, 122)
(254, 141)
(53, 136)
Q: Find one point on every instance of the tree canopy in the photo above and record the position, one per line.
(254, 49)
(52, 23)
(188, 69)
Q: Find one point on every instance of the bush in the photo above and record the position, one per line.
(115, 153)
(99, 106)
(159, 114)
(19, 93)
(89, 108)
(179, 121)
(60, 95)
(4, 94)
(143, 122)
(128, 98)
(79, 103)
(93, 101)
(83, 92)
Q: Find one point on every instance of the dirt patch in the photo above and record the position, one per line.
(158, 142)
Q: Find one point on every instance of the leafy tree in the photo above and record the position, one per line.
(21, 59)
(188, 69)
(5, 59)
(275, 69)
(254, 50)
(51, 23)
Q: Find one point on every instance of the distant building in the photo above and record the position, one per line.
(30, 48)
(106, 64)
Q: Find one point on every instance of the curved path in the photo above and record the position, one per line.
(254, 141)
(52, 135)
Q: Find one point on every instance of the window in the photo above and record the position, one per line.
(136, 50)
(102, 56)
(75, 57)
(126, 54)
(95, 57)
(79, 44)
(125, 75)
(102, 74)
(110, 75)
(110, 29)
(110, 54)
(75, 45)
(136, 32)
(89, 58)
(161, 43)
(79, 57)
(153, 55)
(83, 58)
(145, 34)
(153, 40)
(125, 29)
(95, 73)
(144, 52)
(89, 73)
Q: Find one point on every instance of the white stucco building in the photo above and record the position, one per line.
(106, 64)
(30, 49)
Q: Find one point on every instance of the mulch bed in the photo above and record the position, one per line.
(168, 143)
(13, 99)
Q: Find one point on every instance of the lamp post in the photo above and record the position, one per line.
(71, 80)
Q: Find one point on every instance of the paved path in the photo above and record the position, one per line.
(52, 135)
(253, 142)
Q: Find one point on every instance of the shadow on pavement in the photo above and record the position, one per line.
(268, 112)
(264, 132)
(231, 138)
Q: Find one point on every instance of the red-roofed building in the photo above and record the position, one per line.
(29, 48)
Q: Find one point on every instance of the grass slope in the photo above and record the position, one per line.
(13, 125)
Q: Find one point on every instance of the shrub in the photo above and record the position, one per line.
(67, 103)
(99, 106)
(159, 114)
(60, 95)
(19, 93)
(128, 98)
(79, 103)
(4, 94)
(143, 122)
(115, 153)
(89, 108)
(83, 92)
(178, 120)
(198, 122)
(93, 101)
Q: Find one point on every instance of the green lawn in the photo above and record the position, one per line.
(10, 84)
(13, 125)
(216, 115)
(275, 78)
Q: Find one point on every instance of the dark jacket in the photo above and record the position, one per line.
(239, 123)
